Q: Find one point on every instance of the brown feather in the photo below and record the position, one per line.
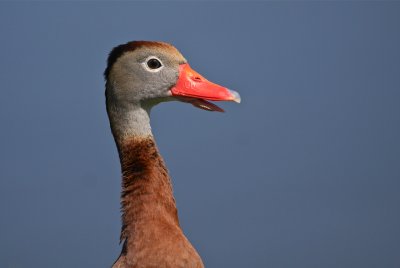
(151, 232)
(118, 51)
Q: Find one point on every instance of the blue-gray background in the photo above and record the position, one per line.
(304, 173)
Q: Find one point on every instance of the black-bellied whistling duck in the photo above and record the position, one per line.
(139, 75)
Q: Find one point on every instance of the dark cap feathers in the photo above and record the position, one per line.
(118, 51)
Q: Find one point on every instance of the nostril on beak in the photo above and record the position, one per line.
(197, 78)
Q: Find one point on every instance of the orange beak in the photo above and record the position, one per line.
(194, 88)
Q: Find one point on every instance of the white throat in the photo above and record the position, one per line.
(129, 120)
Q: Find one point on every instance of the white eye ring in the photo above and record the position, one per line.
(154, 61)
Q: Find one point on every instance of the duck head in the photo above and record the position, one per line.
(146, 73)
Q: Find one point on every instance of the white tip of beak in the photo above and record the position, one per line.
(236, 96)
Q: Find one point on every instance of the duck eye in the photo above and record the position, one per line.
(154, 64)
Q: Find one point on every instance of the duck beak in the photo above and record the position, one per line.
(194, 88)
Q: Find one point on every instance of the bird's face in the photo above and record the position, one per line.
(155, 72)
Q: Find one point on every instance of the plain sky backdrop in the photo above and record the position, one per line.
(305, 172)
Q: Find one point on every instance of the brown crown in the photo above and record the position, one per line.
(118, 51)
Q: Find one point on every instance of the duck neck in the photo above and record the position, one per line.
(129, 120)
(147, 200)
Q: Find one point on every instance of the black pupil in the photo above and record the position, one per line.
(154, 64)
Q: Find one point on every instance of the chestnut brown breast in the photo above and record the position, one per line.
(151, 232)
